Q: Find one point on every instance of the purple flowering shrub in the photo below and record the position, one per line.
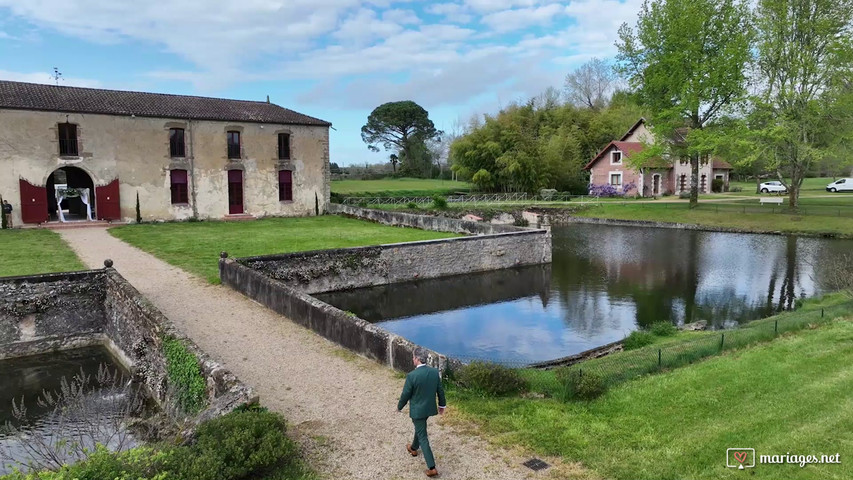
(607, 190)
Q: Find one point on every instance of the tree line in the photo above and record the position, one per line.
(765, 84)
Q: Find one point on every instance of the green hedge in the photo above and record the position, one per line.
(240, 445)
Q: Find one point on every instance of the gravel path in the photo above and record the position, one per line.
(341, 407)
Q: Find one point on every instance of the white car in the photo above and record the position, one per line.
(841, 185)
(772, 187)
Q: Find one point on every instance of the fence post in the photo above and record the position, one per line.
(776, 327)
(659, 362)
(821, 313)
(722, 340)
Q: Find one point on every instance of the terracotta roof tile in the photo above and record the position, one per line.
(32, 96)
(721, 164)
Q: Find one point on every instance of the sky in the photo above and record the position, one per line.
(332, 59)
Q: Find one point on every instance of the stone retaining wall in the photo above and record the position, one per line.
(45, 313)
(284, 282)
(345, 268)
(332, 323)
(423, 222)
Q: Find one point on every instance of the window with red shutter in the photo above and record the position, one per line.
(180, 195)
(285, 185)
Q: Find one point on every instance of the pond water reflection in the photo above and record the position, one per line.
(604, 282)
(26, 379)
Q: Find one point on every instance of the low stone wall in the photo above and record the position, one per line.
(423, 222)
(345, 268)
(284, 282)
(136, 331)
(332, 323)
(596, 352)
(45, 313)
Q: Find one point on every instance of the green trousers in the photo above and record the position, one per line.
(422, 441)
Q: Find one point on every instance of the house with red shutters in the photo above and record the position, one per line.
(657, 176)
(85, 154)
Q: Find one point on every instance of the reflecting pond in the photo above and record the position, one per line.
(604, 282)
(26, 379)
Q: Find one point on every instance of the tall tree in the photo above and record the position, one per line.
(399, 126)
(591, 84)
(394, 159)
(686, 60)
(805, 61)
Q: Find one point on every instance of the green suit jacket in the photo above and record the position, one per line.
(422, 386)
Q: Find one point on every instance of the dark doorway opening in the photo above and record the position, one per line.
(73, 207)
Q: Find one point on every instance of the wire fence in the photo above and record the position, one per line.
(826, 207)
(586, 378)
(472, 198)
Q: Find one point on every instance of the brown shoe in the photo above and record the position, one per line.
(431, 472)
(413, 453)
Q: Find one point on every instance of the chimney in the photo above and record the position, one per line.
(268, 99)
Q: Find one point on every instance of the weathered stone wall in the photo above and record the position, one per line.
(332, 323)
(136, 151)
(284, 282)
(424, 222)
(329, 270)
(136, 331)
(45, 313)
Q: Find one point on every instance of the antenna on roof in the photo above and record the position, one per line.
(56, 75)
(268, 99)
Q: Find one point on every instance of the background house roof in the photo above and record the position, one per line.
(641, 121)
(627, 149)
(32, 96)
(720, 164)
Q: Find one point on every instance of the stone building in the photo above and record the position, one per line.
(77, 153)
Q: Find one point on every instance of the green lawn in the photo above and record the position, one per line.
(788, 395)
(731, 216)
(28, 252)
(811, 186)
(397, 187)
(195, 246)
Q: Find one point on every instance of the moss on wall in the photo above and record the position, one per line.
(185, 376)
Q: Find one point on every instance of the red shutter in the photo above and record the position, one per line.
(235, 192)
(107, 201)
(33, 203)
(285, 185)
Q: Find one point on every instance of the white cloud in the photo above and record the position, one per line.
(362, 49)
(47, 78)
(452, 12)
(521, 18)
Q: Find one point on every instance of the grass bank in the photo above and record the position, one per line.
(788, 395)
(398, 187)
(28, 252)
(735, 216)
(195, 246)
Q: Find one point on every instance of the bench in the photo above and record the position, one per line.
(776, 200)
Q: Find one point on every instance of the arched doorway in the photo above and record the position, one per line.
(73, 205)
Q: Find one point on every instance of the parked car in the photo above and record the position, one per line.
(841, 185)
(772, 187)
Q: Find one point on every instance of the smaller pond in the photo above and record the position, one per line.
(27, 379)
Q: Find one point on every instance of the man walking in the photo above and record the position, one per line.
(422, 385)
(7, 212)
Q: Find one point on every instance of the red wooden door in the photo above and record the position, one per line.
(235, 192)
(107, 204)
(33, 203)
